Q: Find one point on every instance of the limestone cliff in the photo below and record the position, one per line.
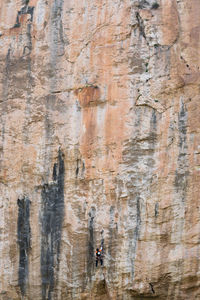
(99, 145)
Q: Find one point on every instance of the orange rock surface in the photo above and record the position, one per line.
(99, 146)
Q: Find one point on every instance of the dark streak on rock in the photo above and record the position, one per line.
(156, 209)
(17, 24)
(56, 37)
(153, 125)
(138, 220)
(182, 171)
(155, 5)
(6, 76)
(134, 152)
(102, 239)
(138, 224)
(91, 242)
(5, 92)
(77, 167)
(25, 2)
(80, 168)
(23, 239)
(83, 168)
(28, 80)
(152, 289)
(29, 46)
(182, 125)
(143, 4)
(25, 10)
(52, 219)
(134, 233)
(140, 25)
(112, 244)
(55, 171)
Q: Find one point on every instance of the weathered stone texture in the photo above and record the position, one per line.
(99, 145)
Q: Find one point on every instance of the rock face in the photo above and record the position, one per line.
(99, 145)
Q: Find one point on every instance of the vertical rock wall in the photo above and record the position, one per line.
(99, 145)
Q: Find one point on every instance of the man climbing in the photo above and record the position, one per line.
(99, 256)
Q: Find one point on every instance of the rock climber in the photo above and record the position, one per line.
(99, 253)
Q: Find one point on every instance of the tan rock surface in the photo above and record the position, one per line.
(100, 144)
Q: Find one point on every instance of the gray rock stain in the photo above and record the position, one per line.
(52, 214)
(24, 242)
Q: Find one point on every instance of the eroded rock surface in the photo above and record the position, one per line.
(99, 145)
